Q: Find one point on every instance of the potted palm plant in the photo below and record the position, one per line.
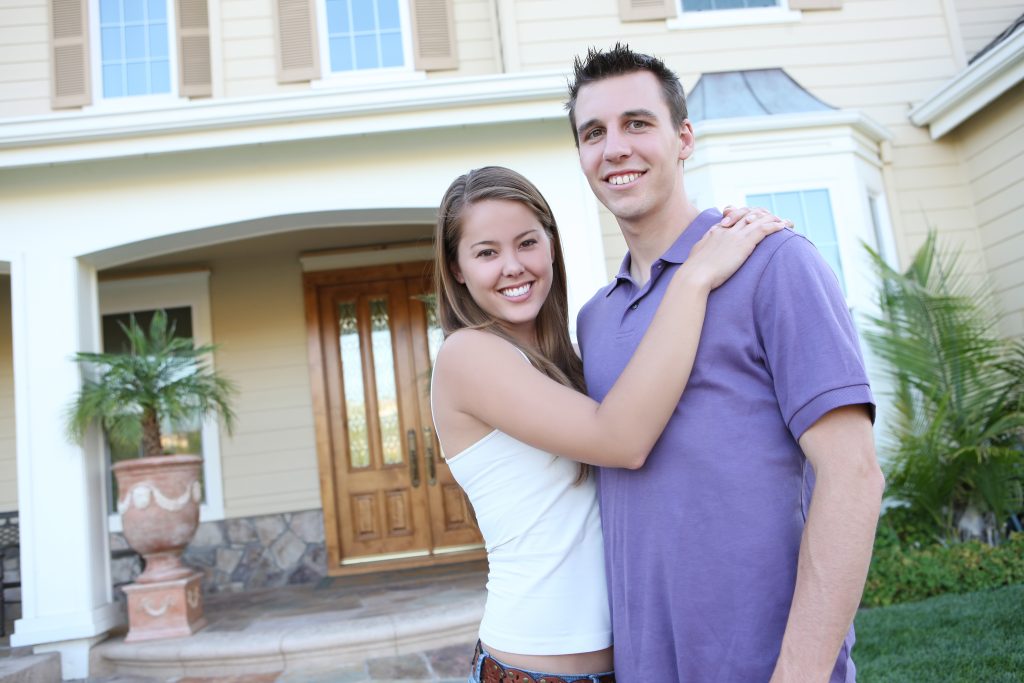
(160, 380)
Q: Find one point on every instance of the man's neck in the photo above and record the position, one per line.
(648, 239)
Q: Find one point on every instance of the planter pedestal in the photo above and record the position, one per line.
(165, 609)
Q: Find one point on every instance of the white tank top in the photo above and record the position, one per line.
(546, 591)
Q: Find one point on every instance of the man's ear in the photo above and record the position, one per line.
(686, 140)
(457, 274)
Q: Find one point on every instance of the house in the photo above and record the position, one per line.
(268, 170)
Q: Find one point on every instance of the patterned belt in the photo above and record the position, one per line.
(492, 671)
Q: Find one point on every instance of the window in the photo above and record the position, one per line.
(134, 47)
(701, 14)
(365, 35)
(811, 211)
(709, 5)
(186, 299)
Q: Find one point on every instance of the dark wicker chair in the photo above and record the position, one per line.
(9, 547)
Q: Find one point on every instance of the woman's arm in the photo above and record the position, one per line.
(485, 377)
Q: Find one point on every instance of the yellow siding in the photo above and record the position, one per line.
(269, 464)
(8, 459)
(992, 144)
(476, 37)
(876, 56)
(24, 58)
(982, 20)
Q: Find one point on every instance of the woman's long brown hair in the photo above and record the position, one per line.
(456, 308)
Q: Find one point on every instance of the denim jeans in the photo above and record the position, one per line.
(474, 674)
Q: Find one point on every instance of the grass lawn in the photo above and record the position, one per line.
(972, 638)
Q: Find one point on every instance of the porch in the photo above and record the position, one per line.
(409, 625)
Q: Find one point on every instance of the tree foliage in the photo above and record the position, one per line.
(161, 379)
(956, 453)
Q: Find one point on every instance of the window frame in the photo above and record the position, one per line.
(358, 77)
(858, 284)
(843, 275)
(751, 16)
(131, 102)
(173, 291)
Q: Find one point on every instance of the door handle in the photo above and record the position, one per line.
(414, 462)
(428, 442)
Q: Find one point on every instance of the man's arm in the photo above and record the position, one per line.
(835, 550)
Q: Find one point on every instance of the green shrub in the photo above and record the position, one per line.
(953, 451)
(904, 573)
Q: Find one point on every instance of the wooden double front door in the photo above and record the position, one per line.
(389, 498)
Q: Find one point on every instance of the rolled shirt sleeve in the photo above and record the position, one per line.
(808, 338)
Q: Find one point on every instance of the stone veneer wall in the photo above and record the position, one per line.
(243, 554)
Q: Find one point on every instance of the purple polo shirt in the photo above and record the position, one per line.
(701, 543)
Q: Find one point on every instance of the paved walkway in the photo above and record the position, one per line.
(393, 627)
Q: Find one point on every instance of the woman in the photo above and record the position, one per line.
(518, 431)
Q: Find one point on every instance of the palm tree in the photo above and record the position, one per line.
(161, 379)
(956, 455)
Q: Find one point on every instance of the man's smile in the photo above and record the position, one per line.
(624, 178)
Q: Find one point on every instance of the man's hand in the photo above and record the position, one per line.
(835, 550)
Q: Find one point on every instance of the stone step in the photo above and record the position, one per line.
(30, 668)
(296, 645)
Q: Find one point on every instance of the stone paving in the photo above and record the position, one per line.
(316, 625)
(445, 665)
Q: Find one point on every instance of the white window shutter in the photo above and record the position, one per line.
(433, 35)
(297, 57)
(647, 10)
(193, 37)
(69, 54)
(815, 4)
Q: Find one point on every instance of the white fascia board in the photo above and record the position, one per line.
(974, 88)
(780, 122)
(788, 137)
(437, 103)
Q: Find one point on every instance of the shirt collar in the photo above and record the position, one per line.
(679, 250)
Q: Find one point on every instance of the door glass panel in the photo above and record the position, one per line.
(434, 334)
(352, 377)
(384, 373)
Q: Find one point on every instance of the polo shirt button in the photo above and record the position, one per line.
(658, 266)
(634, 306)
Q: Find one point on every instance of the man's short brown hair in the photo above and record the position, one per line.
(619, 61)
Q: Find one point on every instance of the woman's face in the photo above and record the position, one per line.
(504, 258)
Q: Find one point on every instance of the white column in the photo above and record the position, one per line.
(65, 570)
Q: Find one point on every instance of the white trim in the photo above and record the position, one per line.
(61, 627)
(974, 88)
(171, 291)
(752, 16)
(756, 124)
(508, 33)
(385, 557)
(301, 115)
(371, 256)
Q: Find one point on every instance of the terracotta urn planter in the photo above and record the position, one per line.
(159, 506)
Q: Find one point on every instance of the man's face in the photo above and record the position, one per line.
(629, 149)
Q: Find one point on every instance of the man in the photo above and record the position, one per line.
(721, 566)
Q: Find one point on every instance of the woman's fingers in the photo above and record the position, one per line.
(731, 215)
